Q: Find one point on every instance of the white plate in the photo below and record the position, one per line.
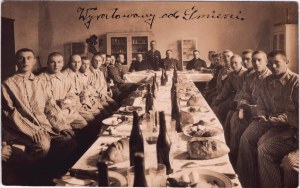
(206, 176)
(215, 130)
(119, 179)
(111, 121)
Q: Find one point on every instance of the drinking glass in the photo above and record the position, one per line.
(157, 176)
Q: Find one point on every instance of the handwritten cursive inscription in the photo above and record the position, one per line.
(89, 15)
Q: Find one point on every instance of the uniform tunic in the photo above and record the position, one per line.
(63, 93)
(277, 100)
(23, 105)
(153, 59)
(248, 95)
(196, 64)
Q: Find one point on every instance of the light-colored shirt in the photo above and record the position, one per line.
(279, 97)
(98, 82)
(24, 101)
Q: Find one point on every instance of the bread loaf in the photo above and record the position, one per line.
(118, 151)
(206, 148)
(194, 101)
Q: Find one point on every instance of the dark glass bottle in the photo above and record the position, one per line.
(163, 145)
(175, 113)
(173, 88)
(149, 100)
(163, 78)
(136, 142)
(102, 174)
(165, 74)
(139, 171)
(154, 86)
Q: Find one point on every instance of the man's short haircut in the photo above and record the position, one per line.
(96, 54)
(24, 50)
(196, 51)
(153, 41)
(84, 58)
(108, 55)
(259, 52)
(236, 56)
(53, 54)
(248, 51)
(168, 51)
(278, 52)
(71, 57)
(227, 51)
(211, 52)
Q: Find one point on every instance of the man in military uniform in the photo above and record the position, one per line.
(196, 63)
(153, 57)
(169, 62)
(139, 64)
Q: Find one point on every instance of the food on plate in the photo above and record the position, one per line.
(206, 148)
(201, 109)
(186, 118)
(201, 131)
(177, 183)
(194, 101)
(118, 151)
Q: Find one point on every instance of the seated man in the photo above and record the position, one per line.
(24, 98)
(290, 166)
(196, 63)
(271, 135)
(247, 101)
(221, 77)
(121, 60)
(170, 63)
(86, 107)
(225, 100)
(211, 86)
(62, 92)
(139, 64)
(125, 88)
(99, 84)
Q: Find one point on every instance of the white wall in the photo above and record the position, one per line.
(47, 26)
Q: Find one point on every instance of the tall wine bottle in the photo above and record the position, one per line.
(175, 113)
(149, 100)
(136, 142)
(163, 145)
(139, 171)
(102, 174)
(163, 78)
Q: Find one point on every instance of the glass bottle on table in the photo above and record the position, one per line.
(149, 100)
(136, 142)
(102, 174)
(154, 86)
(175, 113)
(163, 145)
(139, 171)
(163, 78)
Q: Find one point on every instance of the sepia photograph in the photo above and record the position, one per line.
(150, 93)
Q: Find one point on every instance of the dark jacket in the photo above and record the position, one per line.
(196, 64)
(138, 66)
(153, 59)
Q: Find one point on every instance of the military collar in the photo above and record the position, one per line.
(30, 77)
(263, 74)
(285, 78)
(240, 72)
(57, 75)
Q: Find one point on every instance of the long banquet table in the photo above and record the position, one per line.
(179, 157)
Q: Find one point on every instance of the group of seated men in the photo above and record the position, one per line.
(53, 113)
(255, 97)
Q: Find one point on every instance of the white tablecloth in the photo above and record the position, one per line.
(162, 103)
